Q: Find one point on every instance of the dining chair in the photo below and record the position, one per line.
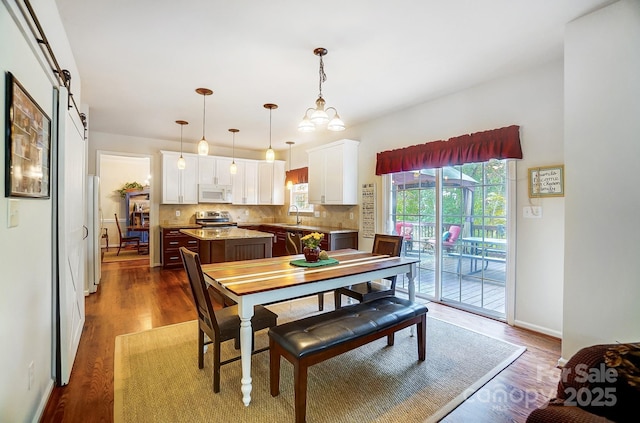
(219, 325)
(293, 247)
(125, 240)
(367, 291)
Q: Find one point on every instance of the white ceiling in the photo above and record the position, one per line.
(141, 61)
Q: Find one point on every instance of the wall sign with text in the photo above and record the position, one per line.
(547, 181)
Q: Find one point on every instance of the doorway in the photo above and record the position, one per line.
(116, 171)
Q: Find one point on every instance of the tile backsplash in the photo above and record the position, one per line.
(332, 216)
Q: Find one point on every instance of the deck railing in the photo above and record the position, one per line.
(427, 230)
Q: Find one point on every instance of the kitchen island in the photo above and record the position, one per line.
(217, 245)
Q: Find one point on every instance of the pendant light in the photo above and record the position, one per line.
(203, 145)
(319, 115)
(289, 181)
(182, 164)
(271, 155)
(233, 169)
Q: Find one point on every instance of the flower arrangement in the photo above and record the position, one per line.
(312, 240)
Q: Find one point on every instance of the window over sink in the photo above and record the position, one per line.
(299, 197)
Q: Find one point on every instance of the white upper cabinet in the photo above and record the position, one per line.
(271, 182)
(333, 173)
(179, 186)
(245, 182)
(214, 170)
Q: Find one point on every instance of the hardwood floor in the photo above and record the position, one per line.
(133, 297)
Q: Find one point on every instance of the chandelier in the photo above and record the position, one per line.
(319, 115)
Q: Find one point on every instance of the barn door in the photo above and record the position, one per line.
(71, 234)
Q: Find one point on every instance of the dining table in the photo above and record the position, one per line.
(275, 279)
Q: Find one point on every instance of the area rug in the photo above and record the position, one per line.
(125, 255)
(156, 377)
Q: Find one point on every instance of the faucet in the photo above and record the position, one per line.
(298, 221)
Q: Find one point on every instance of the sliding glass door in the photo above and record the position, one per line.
(455, 221)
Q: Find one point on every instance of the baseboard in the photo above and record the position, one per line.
(43, 402)
(536, 328)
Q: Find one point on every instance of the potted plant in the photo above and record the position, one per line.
(311, 244)
(129, 187)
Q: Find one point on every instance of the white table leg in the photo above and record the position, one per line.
(245, 351)
(411, 275)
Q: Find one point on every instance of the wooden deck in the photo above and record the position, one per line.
(482, 289)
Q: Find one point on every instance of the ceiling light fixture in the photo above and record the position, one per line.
(319, 115)
(233, 169)
(271, 155)
(203, 145)
(182, 164)
(290, 182)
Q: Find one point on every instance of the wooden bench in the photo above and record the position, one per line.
(311, 340)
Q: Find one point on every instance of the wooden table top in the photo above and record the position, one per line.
(252, 276)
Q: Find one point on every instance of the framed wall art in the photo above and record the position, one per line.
(28, 144)
(547, 181)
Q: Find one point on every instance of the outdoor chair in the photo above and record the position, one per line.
(222, 324)
(368, 291)
(449, 239)
(405, 229)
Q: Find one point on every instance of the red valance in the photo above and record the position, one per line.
(502, 143)
(298, 176)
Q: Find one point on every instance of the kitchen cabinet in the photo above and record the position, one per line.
(271, 184)
(245, 182)
(333, 173)
(333, 239)
(214, 170)
(179, 186)
(171, 241)
(279, 246)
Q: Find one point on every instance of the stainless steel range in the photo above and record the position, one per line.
(214, 219)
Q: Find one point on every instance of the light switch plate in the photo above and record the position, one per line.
(532, 212)
(13, 217)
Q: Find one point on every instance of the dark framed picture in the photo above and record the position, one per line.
(28, 144)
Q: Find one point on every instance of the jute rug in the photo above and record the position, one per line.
(125, 255)
(157, 377)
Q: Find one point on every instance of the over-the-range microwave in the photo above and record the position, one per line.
(214, 193)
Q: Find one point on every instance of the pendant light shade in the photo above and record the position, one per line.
(319, 115)
(233, 169)
(182, 164)
(203, 145)
(271, 155)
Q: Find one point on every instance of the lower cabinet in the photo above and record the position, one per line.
(171, 241)
(331, 241)
(279, 246)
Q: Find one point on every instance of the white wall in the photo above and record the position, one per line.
(26, 250)
(532, 100)
(602, 147)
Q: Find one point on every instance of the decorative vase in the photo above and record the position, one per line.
(311, 255)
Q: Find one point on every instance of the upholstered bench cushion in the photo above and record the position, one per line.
(324, 331)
